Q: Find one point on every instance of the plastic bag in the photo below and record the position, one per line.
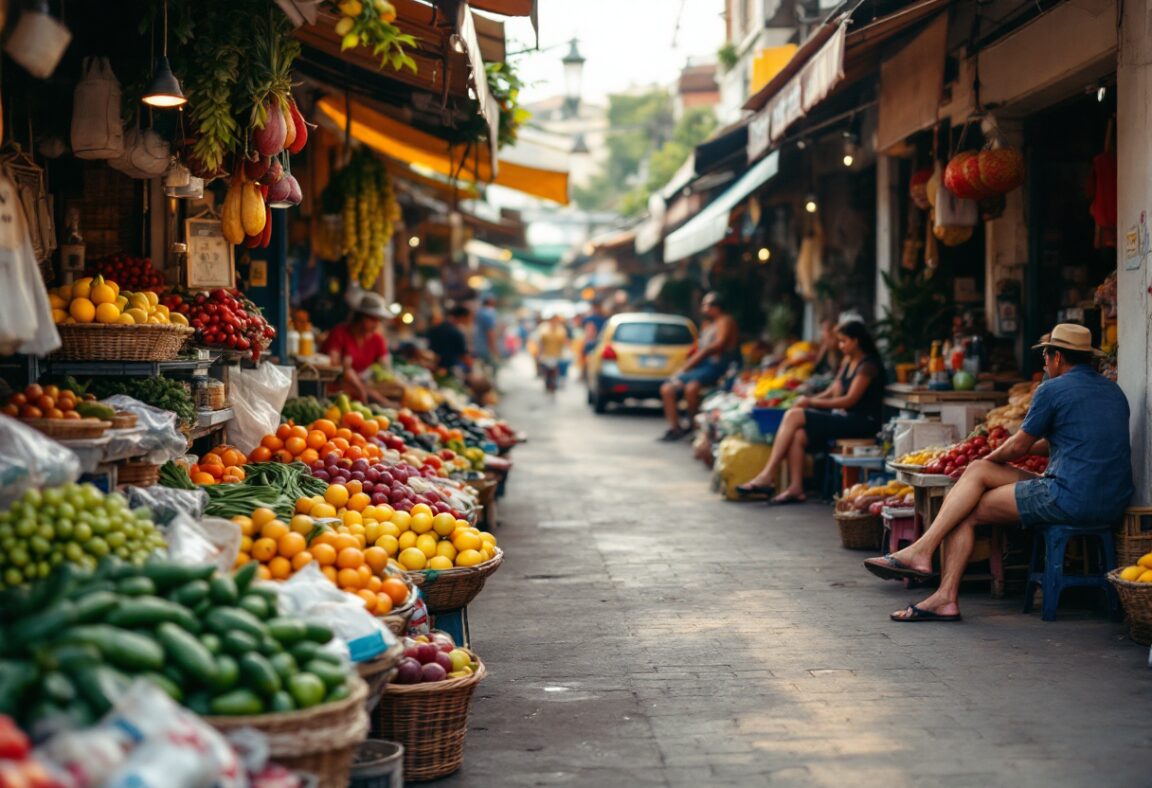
(26, 324)
(737, 461)
(166, 503)
(257, 397)
(212, 540)
(29, 459)
(160, 439)
(309, 594)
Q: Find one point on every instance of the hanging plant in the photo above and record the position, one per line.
(370, 23)
(504, 84)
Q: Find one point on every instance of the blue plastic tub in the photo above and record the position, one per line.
(768, 419)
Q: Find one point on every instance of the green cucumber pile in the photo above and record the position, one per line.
(71, 644)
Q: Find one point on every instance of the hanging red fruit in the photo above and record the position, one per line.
(1001, 169)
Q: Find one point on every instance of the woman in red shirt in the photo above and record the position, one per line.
(358, 344)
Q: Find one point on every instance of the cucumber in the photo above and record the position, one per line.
(237, 703)
(281, 701)
(168, 575)
(338, 693)
(92, 587)
(17, 676)
(227, 673)
(58, 688)
(107, 568)
(238, 643)
(323, 655)
(270, 595)
(136, 586)
(288, 631)
(200, 702)
(269, 646)
(307, 690)
(175, 675)
(222, 620)
(148, 611)
(259, 674)
(305, 652)
(131, 651)
(331, 675)
(212, 643)
(190, 594)
(245, 575)
(95, 606)
(34, 629)
(222, 590)
(101, 686)
(16, 603)
(284, 664)
(318, 633)
(254, 604)
(69, 656)
(188, 653)
(171, 688)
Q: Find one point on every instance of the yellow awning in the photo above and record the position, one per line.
(400, 141)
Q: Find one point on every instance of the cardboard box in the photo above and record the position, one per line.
(963, 416)
(913, 434)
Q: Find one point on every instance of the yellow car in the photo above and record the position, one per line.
(634, 354)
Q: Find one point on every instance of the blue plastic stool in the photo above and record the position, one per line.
(455, 623)
(1052, 580)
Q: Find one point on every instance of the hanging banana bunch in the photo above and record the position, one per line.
(369, 211)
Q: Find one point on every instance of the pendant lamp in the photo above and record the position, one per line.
(165, 91)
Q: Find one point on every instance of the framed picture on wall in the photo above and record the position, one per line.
(211, 259)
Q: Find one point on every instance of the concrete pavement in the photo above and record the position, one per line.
(644, 632)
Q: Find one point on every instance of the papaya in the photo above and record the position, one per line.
(252, 213)
(230, 213)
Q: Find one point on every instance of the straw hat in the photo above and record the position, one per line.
(1071, 337)
(373, 304)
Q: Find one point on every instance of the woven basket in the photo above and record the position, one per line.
(124, 421)
(1134, 538)
(115, 342)
(1137, 601)
(378, 672)
(430, 720)
(452, 589)
(320, 740)
(69, 429)
(859, 531)
(397, 619)
(139, 474)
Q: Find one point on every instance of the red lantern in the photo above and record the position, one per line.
(1001, 169)
(956, 178)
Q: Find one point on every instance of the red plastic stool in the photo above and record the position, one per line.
(903, 526)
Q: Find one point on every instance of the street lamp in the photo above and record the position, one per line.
(573, 79)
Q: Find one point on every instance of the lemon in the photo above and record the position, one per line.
(412, 559)
(1145, 561)
(65, 293)
(323, 510)
(82, 287)
(82, 310)
(139, 315)
(465, 541)
(421, 508)
(125, 320)
(389, 529)
(344, 26)
(487, 538)
(153, 299)
(469, 558)
(101, 293)
(140, 301)
(407, 539)
(403, 520)
(1131, 573)
(59, 316)
(390, 544)
(446, 550)
(426, 543)
(121, 303)
(163, 310)
(439, 562)
(107, 313)
(421, 523)
(1146, 577)
(444, 524)
(57, 302)
(178, 319)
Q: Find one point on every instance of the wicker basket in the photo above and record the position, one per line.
(430, 720)
(115, 342)
(1137, 601)
(69, 429)
(452, 589)
(859, 531)
(397, 619)
(139, 474)
(378, 672)
(124, 421)
(320, 740)
(1134, 538)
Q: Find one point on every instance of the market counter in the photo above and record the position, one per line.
(904, 396)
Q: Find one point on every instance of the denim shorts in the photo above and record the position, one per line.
(706, 373)
(1036, 502)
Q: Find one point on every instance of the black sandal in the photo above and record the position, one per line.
(755, 489)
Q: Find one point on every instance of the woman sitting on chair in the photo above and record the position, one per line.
(849, 408)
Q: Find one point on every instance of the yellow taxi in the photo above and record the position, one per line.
(634, 354)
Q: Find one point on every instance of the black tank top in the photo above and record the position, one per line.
(871, 405)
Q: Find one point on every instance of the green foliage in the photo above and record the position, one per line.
(727, 56)
(781, 322)
(919, 313)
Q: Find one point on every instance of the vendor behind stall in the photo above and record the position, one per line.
(358, 344)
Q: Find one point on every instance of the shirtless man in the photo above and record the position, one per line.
(718, 348)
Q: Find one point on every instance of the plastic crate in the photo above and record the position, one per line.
(768, 419)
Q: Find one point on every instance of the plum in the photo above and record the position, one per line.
(443, 661)
(360, 465)
(409, 671)
(433, 672)
(331, 458)
(357, 475)
(380, 499)
(322, 475)
(426, 652)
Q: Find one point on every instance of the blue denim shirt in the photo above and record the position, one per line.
(1084, 416)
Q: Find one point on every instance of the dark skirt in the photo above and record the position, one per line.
(823, 427)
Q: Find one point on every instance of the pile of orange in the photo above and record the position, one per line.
(284, 548)
(294, 443)
(222, 464)
(47, 402)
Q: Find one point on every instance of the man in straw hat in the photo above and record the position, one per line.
(1084, 418)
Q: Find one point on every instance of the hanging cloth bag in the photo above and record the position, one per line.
(96, 129)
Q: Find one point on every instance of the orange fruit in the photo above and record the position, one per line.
(284, 456)
(325, 554)
(350, 558)
(358, 501)
(301, 559)
(354, 453)
(344, 433)
(203, 478)
(358, 440)
(326, 537)
(383, 605)
(390, 544)
(261, 454)
(309, 456)
(337, 495)
(284, 431)
(280, 567)
(298, 431)
(241, 559)
(295, 445)
(376, 558)
(341, 444)
(369, 427)
(374, 583)
(301, 524)
(348, 578)
(274, 529)
(245, 544)
(236, 472)
(263, 572)
(396, 589)
(262, 516)
(344, 541)
(352, 420)
(316, 439)
(323, 509)
(212, 458)
(232, 457)
(291, 544)
(325, 426)
(365, 575)
(329, 572)
(304, 505)
(272, 442)
(369, 599)
(264, 549)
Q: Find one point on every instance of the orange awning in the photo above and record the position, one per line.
(466, 163)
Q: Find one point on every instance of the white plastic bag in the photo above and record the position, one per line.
(160, 437)
(26, 320)
(212, 540)
(257, 397)
(29, 459)
(96, 129)
(309, 594)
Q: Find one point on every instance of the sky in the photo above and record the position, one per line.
(625, 42)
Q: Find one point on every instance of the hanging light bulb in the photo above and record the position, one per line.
(165, 91)
(810, 203)
(849, 149)
(764, 255)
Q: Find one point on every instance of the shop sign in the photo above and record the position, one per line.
(211, 259)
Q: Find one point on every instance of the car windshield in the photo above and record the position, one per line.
(653, 334)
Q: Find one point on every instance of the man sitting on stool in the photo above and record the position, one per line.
(1084, 417)
(719, 347)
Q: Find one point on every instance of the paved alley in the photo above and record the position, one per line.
(644, 632)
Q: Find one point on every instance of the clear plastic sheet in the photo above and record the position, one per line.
(30, 459)
(257, 397)
(166, 503)
(157, 432)
(212, 540)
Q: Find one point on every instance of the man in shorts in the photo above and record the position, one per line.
(719, 347)
(1084, 418)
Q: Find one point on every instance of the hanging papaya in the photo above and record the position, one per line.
(230, 213)
(252, 210)
(266, 236)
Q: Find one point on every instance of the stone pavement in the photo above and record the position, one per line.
(644, 632)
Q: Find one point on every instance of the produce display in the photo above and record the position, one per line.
(73, 524)
(870, 498)
(213, 642)
(53, 402)
(134, 273)
(271, 485)
(295, 443)
(953, 460)
(159, 392)
(1140, 572)
(223, 319)
(303, 410)
(1011, 416)
(99, 300)
(434, 657)
(381, 483)
(223, 464)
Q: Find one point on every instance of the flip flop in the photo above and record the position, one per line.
(889, 568)
(786, 500)
(920, 615)
(755, 489)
